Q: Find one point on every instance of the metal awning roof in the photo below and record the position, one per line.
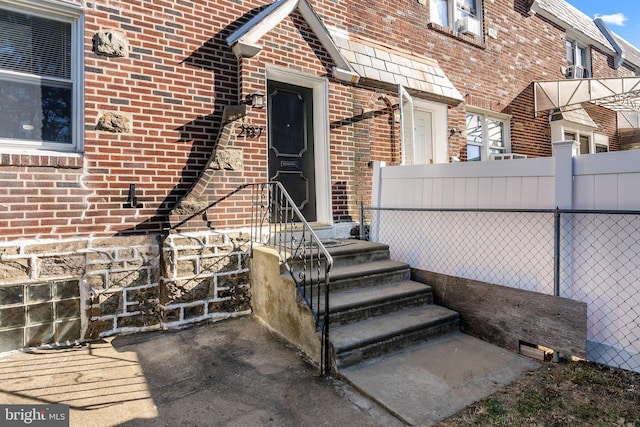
(629, 128)
(618, 94)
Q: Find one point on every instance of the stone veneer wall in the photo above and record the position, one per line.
(121, 285)
(58, 292)
(206, 276)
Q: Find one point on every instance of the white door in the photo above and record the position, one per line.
(423, 137)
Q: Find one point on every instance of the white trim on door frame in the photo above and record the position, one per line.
(320, 87)
(439, 129)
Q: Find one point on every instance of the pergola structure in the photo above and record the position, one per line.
(620, 94)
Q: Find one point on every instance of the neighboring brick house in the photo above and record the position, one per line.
(121, 121)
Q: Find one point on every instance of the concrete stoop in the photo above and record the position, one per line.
(375, 308)
(394, 345)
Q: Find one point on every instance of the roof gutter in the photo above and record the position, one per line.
(619, 59)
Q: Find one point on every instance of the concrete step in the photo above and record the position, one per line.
(368, 274)
(426, 383)
(347, 252)
(379, 335)
(359, 275)
(351, 305)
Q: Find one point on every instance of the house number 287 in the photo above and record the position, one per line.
(250, 131)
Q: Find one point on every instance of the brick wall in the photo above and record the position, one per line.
(172, 86)
(602, 65)
(41, 196)
(495, 74)
(608, 121)
(172, 89)
(180, 74)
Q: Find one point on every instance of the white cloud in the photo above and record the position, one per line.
(615, 19)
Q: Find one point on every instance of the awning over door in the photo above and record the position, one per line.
(245, 41)
(387, 67)
(620, 94)
(367, 62)
(576, 115)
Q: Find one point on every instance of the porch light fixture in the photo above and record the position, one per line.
(256, 100)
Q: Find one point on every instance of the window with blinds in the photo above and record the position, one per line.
(36, 80)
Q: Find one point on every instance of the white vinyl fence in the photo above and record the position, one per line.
(496, 222)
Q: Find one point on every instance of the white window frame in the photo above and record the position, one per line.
(560, 129)
(576, 46)
(577, 135)
(596, 140)
(455, 13)
(484, 147)
(65, 12)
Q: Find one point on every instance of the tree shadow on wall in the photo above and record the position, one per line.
(203, 132)
(312, 41)
(531, 139)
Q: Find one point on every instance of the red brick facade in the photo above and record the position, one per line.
(181, 73)
(67, 217)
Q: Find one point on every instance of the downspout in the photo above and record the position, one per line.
(619, 59)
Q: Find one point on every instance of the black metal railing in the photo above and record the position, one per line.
(591, 256)
(276, 221)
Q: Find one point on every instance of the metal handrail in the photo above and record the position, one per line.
(299, 247)
(303, 254)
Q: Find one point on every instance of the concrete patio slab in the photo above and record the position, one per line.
(432, 381)
(229, 373)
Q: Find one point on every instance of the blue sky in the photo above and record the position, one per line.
(622, 16)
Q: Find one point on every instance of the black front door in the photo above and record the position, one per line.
(291, 162)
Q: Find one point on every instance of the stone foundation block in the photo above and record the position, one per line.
(14, 270)
(191, 312)
(66, 265)
(111, 43)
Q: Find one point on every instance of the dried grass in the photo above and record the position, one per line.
(560, 394)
